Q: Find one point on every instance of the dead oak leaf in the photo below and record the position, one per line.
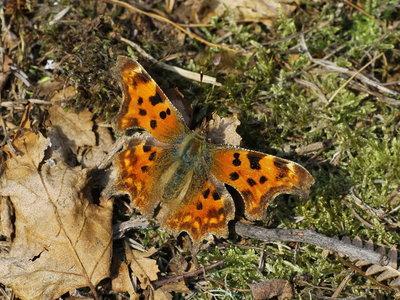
(78, 133)
(77, 127)
(267, 12)
(122, 282)
(143, 267)
(222, 130)
(280, 288)
(62, 240)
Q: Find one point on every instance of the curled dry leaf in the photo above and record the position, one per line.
(143, 267)
(242, 10)
(77, 134)
(280, 288)
(223, 130)
(62, 240)
(6, 214)
(122, 282)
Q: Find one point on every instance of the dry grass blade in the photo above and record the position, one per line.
(163, 19)
(182, 72)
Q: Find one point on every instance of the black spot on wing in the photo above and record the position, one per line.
(168, 111)
(283, 168)
(140, 101)
(206, 193)
(163, 115)
(236, 162)
(263, 179)
(234, 176)
(152, 155)
(146, 148)
(154, 100)
(199, 206)
(215, 196)
(153, 124)
(279, 163)
(142, 112)
(254, 161)
(144, 169)
(141, 77)
(251, 182)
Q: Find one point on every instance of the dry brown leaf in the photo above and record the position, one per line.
(265, 11)
(77, 128)
(123, 282)
(144, 268)
(160, 294)
(64, 94)
(223, 130)
(5, 71)
(179, 287)
(6, 214)
(280, 288)
(76, 132)
(62, 240)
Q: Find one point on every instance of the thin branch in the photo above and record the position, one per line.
(358, 75)
(297, 34)
(311, 237)
(162, 282)
(362, 273)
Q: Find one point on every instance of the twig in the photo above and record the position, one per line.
(379, 22)
(377, 213)
(163, 19)
(342, 284)
(358, 86)
(297, 34)
(182, 72)
(311, 237)
(362, 273)
(357, 74)
(119, 229)
(333, 67)
(202, 270)
(378, 41)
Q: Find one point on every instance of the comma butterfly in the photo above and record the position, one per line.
(179, 178)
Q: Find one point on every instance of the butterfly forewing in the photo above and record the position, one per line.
(259, 177)
(145, 105)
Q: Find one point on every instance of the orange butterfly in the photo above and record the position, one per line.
(179, 178)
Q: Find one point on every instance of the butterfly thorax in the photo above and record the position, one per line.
(188, 162)
(192, 148)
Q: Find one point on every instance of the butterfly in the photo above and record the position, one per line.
(176, 176)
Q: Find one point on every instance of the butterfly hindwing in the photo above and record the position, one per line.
(258, 177)
(145, 105)
(207, 210)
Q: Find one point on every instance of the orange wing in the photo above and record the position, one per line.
(259, 177)
(145, 105)
(205, 207)
(208, 209)
(138, 174)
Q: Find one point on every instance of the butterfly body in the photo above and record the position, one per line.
(179, 178)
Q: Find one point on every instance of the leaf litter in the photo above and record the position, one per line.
(62, 240)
